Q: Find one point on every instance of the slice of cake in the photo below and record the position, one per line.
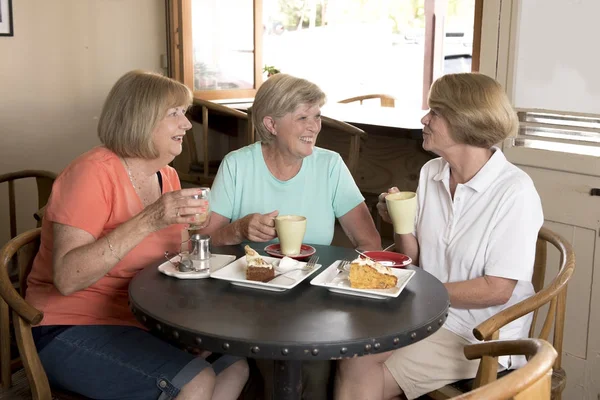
(369, 274)
(258, 269)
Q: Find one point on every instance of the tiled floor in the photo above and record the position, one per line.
(19, 390)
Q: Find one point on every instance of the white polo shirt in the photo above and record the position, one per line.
(490, 228)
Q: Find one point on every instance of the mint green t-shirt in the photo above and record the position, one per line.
(322, 191)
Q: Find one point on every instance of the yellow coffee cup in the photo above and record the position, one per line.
(290, 230)
(402, 207)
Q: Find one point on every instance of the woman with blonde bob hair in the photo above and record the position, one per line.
(476, 227)
(285, 173)
(113, 211)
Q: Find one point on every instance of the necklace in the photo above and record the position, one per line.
(145, 196)
(130, 175)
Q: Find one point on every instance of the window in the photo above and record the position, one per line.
(214, 46)
(348, 47)
(550, 78)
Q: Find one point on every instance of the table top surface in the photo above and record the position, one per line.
(306, 322)
(354, 113)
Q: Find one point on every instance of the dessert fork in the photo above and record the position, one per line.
(342, 266)
(308, 267)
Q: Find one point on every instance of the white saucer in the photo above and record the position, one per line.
(217, 261)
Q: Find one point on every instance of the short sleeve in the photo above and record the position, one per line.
(511, 250)
(222, 192)
(80, 198)
(346, 194)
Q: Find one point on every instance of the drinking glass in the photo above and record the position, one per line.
(200, 219)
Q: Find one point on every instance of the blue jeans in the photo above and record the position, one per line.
(119, 362)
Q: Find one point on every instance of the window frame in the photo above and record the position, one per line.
(181, 57)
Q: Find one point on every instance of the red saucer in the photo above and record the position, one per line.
(275, 251)
(400, 260)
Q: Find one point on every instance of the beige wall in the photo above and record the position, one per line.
(55, 73)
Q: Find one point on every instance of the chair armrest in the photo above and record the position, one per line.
(7, 291)
(343, 126)
(496, 348)
(220, 108)
(485, 330)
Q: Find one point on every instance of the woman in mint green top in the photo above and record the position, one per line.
(285, 173)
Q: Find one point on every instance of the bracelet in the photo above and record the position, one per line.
(111, 248)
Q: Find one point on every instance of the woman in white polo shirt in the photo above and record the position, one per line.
(476, 227)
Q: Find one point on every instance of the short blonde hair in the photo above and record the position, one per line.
(137, 102)
(279, 95)
(476, 107)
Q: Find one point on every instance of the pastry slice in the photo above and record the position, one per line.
(258, 269)
(369, 274)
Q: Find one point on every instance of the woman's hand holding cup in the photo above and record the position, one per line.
(399, 209)
(258, 227)
(382, 207)
(402, 210)
(178, 207)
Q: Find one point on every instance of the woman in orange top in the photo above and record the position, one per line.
(113, 211)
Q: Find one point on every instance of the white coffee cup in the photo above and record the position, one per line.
(402, 207)
(290, 230)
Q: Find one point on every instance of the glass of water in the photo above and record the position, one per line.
(200, 219)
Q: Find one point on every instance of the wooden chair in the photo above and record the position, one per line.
(190, 169)
(555, 294)
(531, 382)
(345, 139)
(26, 246)
(385, 100)
(348, 133)
(44, 180)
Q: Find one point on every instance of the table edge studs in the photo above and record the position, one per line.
(376, 346)
(285, 352)
(144, 319)
(396, 341)
(429, 329)
(315, 352)
(198, 340)
(367, 347)
(159, 327)
(255, 349)
(343, 350)
(225, 346)
(176, 334)
(413, 335)
(441, 321)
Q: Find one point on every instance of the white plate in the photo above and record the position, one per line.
(217, 261)
(338, 283)
(236, 274)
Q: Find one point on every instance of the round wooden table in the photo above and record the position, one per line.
(304, 323)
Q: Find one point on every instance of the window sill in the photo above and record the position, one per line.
(558, 156)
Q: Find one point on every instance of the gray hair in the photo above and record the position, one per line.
(279, 95)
